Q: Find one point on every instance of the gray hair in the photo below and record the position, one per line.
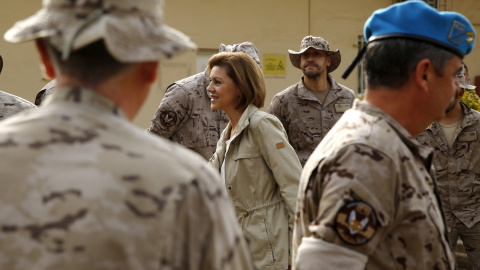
(390, 62)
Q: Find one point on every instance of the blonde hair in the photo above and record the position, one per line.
(245, 73)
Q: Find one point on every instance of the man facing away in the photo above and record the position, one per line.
(456, 143)
(367, 196)
(310, 108)
(184, 115)
(82, 188)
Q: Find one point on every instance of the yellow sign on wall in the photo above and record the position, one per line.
(274, 64)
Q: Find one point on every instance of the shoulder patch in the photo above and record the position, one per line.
(356, 223)
(168, 118)
(280, 145)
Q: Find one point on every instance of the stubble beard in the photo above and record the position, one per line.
(452, 104)
(311, 74)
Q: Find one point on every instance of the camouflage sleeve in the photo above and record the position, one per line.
(275, 108)
(347, 203)
(282, 161)
(170, 114)
(211, 225)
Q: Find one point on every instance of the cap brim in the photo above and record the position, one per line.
(128, 38)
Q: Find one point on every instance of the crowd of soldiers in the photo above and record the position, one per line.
(321, 181)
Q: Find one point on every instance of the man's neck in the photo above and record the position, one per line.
(401, 105)
(453, 116)
(317, 84)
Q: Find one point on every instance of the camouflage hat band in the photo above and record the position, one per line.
(131, 33)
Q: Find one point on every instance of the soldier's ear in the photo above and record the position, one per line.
(149, 71)
(423, 75)
(45, 58)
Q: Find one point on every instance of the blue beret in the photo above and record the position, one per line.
(418, 20)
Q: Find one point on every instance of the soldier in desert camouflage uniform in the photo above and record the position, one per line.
(310, 108)
(367, 196)
(11, 104)
(184, 115)
(82, 188)
(456, 141)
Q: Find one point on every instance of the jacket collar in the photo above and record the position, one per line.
(333, 92)
(467, 120)
(244, 119)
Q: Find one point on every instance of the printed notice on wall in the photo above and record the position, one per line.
(274, 64)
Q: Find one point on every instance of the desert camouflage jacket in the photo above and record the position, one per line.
(458, 169)
(11, 104)
(82, 188)
(305, 118)
(367, 199)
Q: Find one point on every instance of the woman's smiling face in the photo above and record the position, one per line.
(225, 94)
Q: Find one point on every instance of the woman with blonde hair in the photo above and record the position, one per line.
(259, 167)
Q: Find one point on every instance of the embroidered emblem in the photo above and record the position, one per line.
(356, 223)
(458, 31)
(168, 118)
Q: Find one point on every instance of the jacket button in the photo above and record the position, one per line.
(229, 188)
(246, 214)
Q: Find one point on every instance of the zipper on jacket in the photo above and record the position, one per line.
(269, 242)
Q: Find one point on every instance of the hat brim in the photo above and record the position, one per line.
(468, 86)
(335, 58)
(129, 38)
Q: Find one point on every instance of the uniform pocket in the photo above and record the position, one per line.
(269, 239)
(302, 132)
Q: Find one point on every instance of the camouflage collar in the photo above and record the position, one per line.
(84, 96)
(306, 94)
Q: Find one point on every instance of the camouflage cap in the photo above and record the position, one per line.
(133, 30)
(462, 80)
(245, 47)
(317, 43)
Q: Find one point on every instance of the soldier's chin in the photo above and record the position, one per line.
(451, 106)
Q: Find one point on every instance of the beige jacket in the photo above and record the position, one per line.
(262, 173)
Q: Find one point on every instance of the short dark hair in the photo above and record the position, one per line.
(390, 62)
(90, 65)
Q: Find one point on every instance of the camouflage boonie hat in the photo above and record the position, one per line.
(245, 47)
(317, 43)
(133, 30)
(463, 82)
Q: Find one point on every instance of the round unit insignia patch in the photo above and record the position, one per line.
(168, 118)
(356, 223)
